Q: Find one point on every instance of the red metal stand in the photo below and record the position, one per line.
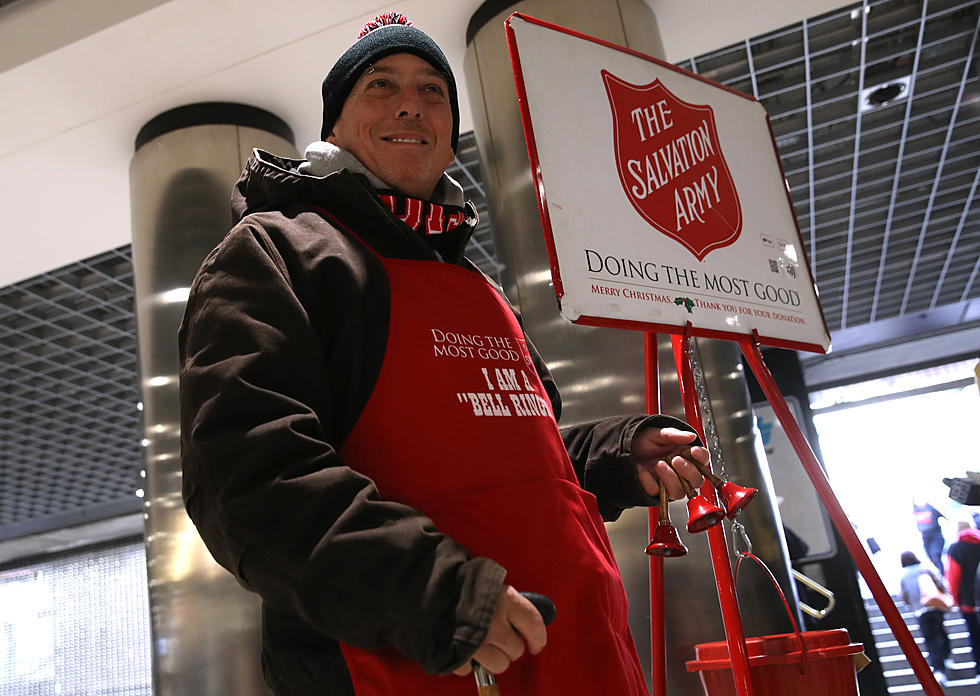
(753, 354)
(720, 560)
(658, 637)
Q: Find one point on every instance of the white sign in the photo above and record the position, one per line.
(803, 514)
(661, 195)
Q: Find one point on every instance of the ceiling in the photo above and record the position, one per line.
(885, 197)
(80, 78)
(876, 113)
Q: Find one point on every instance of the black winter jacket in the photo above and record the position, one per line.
(280, 347)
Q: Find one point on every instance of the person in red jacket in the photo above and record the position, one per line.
(963, 558)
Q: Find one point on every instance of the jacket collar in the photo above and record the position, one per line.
(270, 182)
(323, 159)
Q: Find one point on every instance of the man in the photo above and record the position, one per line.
(930, 618)
(370, 442)
(963, 558)
(927, 521)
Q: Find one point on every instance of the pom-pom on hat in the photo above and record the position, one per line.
(386, 34)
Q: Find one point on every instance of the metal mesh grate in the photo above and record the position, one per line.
(876, 113)
(68, 418)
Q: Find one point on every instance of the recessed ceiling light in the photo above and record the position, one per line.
(885, 93)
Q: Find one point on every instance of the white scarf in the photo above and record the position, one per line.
(323, 158)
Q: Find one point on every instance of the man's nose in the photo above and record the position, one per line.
(409, 105)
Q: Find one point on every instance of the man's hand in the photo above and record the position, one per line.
(516, 622)
(656, 454)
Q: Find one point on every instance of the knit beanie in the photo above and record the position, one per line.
(387, 34)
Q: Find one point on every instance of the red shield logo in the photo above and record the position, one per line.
(671, 165)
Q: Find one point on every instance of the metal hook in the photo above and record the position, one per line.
(816, 587)
(741, 534)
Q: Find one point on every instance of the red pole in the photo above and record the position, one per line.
(819, 479)
(658, 631)
(720, 561)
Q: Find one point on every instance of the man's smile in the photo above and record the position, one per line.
(405, 139)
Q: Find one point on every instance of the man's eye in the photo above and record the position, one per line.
(380, 82)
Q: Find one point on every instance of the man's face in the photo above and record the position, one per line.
(398, 122)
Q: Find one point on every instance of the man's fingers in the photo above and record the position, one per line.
(663, 457)
(687, 470)
(677, 436)
(494, 660)
(699, 453)
(660, 442)
(668, 477)
(668, 480)
(509, 643)
(526, 620)
(516, 625)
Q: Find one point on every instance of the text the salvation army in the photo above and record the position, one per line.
(675, 157)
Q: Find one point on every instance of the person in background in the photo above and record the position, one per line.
(963, 558)
(368, 439)
(930, 620)
(927, 520)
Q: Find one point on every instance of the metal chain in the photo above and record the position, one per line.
(707, 417)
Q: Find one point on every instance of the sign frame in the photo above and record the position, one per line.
(549, 231)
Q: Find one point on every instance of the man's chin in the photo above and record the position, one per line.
(411, 184)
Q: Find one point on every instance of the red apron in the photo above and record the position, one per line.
(459, 427)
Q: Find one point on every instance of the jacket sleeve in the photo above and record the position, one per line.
(272, 498)
(601, 456)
